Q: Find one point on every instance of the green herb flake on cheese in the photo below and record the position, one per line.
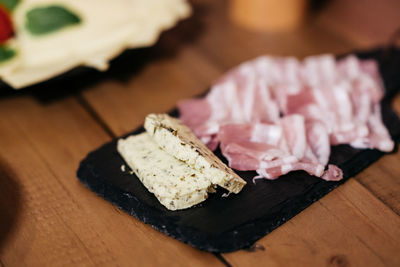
(47, 19)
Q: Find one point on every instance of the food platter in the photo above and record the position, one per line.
(225, 224)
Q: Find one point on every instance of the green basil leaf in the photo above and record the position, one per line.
(6, 53)
(43, 20)
(9, 4)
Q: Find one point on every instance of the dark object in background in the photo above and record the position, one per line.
(235, 222)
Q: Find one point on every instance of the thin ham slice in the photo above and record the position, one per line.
(276, 115)
(295, 134)
(318, 143)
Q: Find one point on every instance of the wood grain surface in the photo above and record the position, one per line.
(47, 218)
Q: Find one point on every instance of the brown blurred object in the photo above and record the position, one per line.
(366, 23)
(268, 15)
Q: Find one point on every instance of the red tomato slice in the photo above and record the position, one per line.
(6, 27)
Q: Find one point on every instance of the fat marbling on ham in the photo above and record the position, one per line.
(276, 115)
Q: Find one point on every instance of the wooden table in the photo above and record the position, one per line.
(48, 218)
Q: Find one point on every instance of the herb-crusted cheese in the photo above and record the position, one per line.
(175, 184)
(178, 140)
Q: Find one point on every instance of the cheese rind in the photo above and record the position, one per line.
(175, 184)
(178, 140)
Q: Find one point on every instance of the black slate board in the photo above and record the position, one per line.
(235, 222)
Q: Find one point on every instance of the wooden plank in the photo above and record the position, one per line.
(159, 85)
(348, 227)
(48, 218)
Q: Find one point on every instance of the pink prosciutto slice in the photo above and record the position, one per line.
(276, 115)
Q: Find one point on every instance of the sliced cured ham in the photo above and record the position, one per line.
(276, 149)
(276, 115)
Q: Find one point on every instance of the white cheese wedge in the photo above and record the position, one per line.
(178, 140)
(175, 184)
(107, 28)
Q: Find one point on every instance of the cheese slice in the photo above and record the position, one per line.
(107, 28)
(178, 140)
(175, 184)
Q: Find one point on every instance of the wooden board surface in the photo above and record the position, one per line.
(48, 218)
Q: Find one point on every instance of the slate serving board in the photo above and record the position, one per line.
(225, 224)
